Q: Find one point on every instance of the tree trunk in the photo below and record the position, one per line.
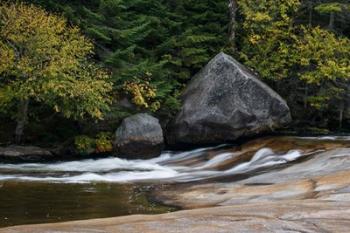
(341, 115)
(331, 21)
(311, 8)
(21, 120)
(306, 94)
(232, 5)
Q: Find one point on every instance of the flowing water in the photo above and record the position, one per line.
(61, 191)
(169, 167)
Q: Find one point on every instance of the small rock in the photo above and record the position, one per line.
(139, 136)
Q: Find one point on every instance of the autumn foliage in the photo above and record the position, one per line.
(45, 60)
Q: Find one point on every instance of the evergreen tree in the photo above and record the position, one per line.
(153, 47)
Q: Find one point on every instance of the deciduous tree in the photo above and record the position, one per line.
(44, 60)
(306, 63)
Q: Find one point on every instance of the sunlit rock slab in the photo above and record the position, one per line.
(283, 216)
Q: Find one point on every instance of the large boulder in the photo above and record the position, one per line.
(139, 136)
(226, 101)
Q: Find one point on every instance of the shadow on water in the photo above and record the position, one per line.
(39, 202)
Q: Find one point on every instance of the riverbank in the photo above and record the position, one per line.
(282, 216)
(266, 185)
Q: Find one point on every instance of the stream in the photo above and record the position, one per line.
(62, 191)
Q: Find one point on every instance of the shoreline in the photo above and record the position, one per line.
(313, 189)
(300, 215)
(18, 154)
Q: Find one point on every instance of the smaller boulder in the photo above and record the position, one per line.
(139, 136)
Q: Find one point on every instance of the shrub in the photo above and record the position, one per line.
(84, 144)
(104, 142)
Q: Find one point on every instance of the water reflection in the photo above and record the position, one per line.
(38, 202)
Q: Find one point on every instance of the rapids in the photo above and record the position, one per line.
(194, 165)
(170, 166)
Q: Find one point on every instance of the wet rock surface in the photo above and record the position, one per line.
(322, 174)
(226, 101)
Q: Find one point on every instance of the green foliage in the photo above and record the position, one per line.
(160, 44)
(267, 36)
(308, 65)
(104, 142)
(153, 47)
(324, 65)
(86, 145)
(323, 56)
(327, 8)
(46, 61)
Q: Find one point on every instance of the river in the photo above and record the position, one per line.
(108, 187)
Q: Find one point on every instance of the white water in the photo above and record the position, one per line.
(169, 167)
(328, 138)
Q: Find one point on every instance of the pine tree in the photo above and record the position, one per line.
(152, 44)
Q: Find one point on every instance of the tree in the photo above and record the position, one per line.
(323, 65)
(308, 65)
(333, 15)
(332, 9)
(267, 36)
(156, 44)
(46, 61)
(232, 6)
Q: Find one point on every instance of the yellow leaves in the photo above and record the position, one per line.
(261, 17)
(254, 39)
(277, 48)
(7, 57)
(267, 11)
(268, 36)
(22, 22)
(44, 43)
(102, 143)
(304, 61)
(324, 56)
(332, 70)
(143, 94)
(6, 95)
(49, 62)
(97, 114)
